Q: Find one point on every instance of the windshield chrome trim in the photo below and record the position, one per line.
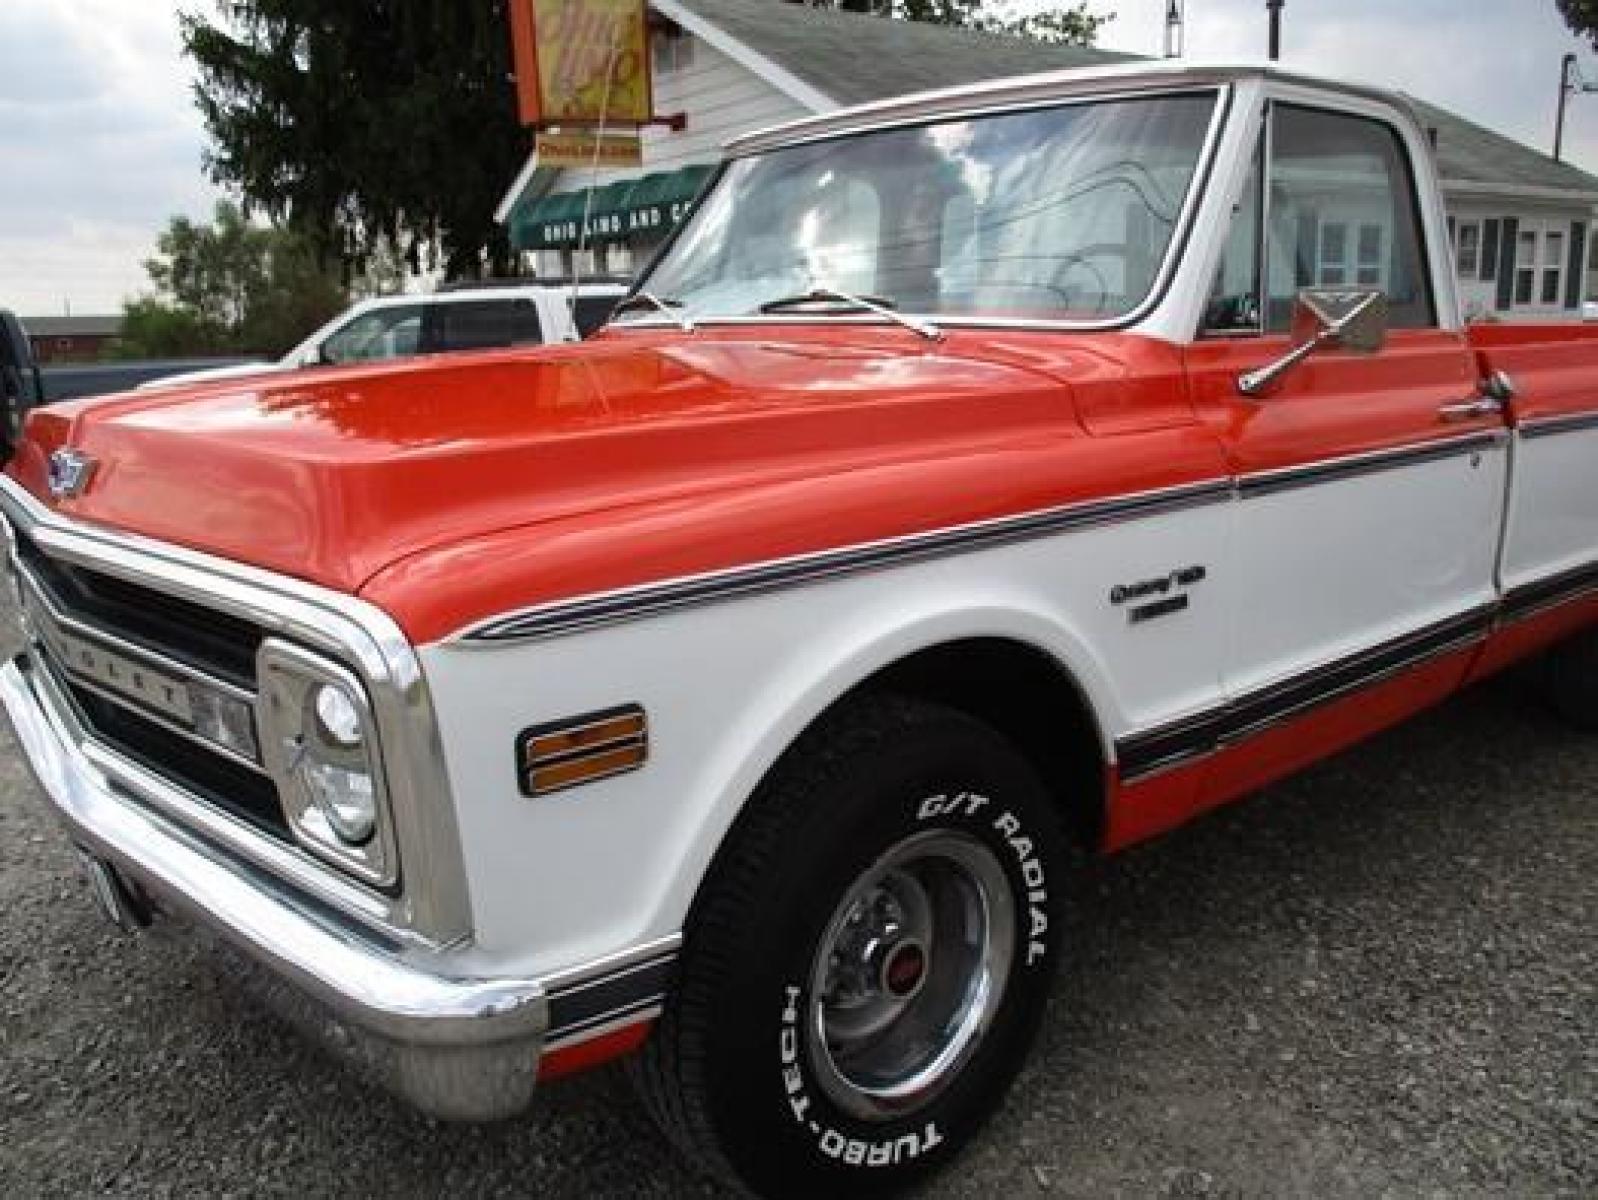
(1158, 290)
(1132, 75)
(434, 902)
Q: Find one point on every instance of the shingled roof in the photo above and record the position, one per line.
(1468, 153)
(852, 58)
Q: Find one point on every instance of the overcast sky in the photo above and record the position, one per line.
(100, 143)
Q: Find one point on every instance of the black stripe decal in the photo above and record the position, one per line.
(1267, 482)
(592, 1003)
(1545, 426)
(569, 616)
(1191, 737)
(1528, 598)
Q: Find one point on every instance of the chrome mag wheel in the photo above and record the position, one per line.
(910, 973)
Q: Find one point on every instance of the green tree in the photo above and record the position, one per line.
(1582, 17)
(365, 122)
(212, 270)
(229, 287)
(156, 328)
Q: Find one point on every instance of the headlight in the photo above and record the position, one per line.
(321, 748)
(332, 767)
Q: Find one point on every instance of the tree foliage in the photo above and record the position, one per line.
(365, 122)
(1067, 24)
(1582, 17)
(229, 287)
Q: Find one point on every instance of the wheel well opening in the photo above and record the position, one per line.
(1026, 695)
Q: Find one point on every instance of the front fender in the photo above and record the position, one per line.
(727, 687)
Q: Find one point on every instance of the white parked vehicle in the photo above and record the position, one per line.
(481, 317)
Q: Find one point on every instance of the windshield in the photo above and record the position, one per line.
(1062, 213)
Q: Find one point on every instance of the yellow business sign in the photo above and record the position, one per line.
(582, 61)
(584, 149)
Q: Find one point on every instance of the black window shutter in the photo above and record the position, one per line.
(1489, 248)
(1576, 285)
(1506, 264)
(1453, 235)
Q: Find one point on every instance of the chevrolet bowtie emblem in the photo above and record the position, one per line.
(70, 471)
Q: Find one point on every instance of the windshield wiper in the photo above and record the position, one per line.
(640, 299)
(880, 305)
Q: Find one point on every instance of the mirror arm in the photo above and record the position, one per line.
(1254, 383)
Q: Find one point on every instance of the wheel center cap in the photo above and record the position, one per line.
(904, 970)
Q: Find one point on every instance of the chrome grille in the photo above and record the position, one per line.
(137, 664)
(214, 643)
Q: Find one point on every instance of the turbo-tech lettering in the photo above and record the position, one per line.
(851, 1151)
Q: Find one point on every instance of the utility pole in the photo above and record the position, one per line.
(1274, 7)
(1566, 66)
(1570, 82)
(1173, 28)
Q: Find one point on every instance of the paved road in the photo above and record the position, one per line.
(1376, 979)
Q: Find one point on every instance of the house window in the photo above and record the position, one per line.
(1553, 265)
(1368, 264)
(1525, 266)
(673, 51)
(1333, 270)
(1540, 266)
(1467, 249)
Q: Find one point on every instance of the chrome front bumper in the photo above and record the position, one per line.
(458, 1048)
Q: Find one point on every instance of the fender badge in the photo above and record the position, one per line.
(69, 473)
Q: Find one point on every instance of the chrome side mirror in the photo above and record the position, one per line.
(1353, 320)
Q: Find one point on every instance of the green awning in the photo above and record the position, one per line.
(661, 201)
(547, 223)
(654, 204)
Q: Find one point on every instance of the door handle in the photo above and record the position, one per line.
(1470, 410)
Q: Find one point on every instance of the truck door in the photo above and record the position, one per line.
(1550, 557)
(1370, 488)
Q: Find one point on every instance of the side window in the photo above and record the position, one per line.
(590, 312)
(1342, 213)
(483, 324)
(381, 333)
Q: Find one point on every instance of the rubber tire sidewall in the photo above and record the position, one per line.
(1572, 680)
(777, 1127)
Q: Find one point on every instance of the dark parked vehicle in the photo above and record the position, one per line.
(21, 385)
(25, 385)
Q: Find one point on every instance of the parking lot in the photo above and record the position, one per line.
(1379, 978)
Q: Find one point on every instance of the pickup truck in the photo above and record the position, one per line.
(461, 316)
(976, 479)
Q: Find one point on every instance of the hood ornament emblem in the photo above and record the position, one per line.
(70, 471)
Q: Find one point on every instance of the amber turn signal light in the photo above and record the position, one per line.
(581, 749)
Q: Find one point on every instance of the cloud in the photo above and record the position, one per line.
(1493, 61)
(101, 145)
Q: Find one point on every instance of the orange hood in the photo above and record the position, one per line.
(331, 475)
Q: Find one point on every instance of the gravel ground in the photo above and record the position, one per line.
(1377, 979)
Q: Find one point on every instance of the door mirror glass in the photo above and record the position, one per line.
(1351, 319)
